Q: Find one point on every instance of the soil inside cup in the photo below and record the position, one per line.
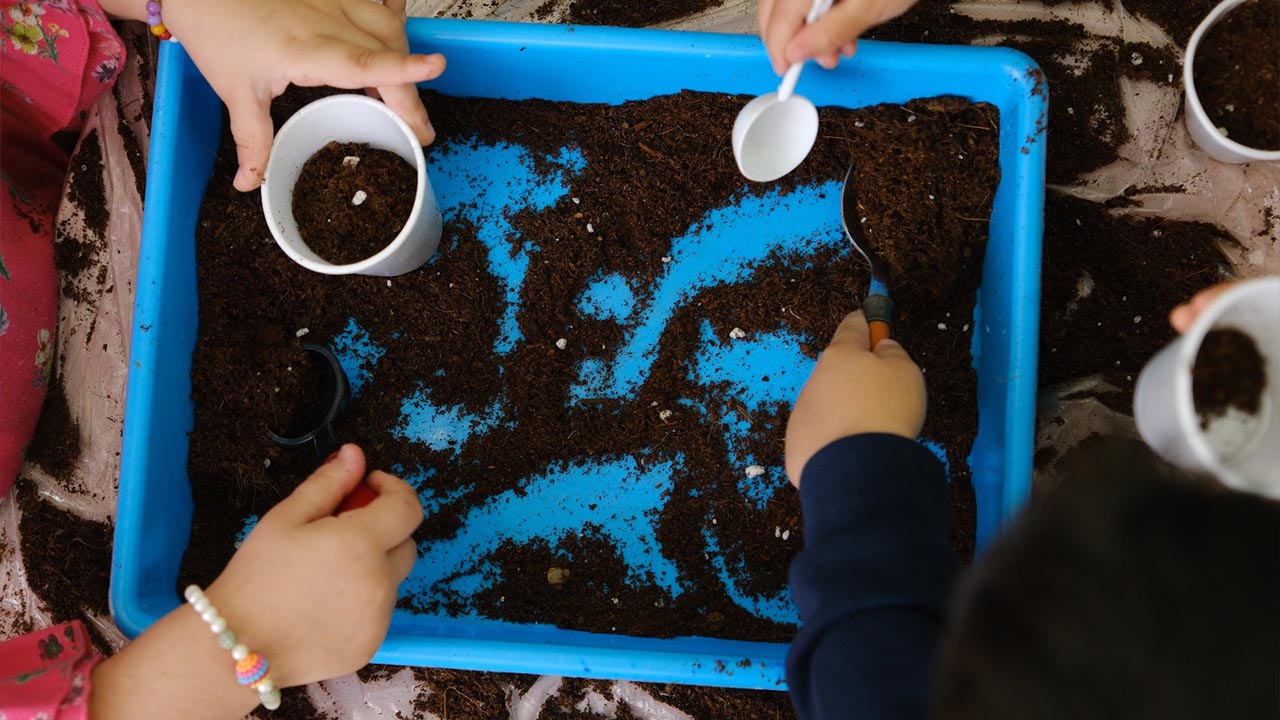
(351, 200)
(1229, 373)
(1237, 74)
(299, 403)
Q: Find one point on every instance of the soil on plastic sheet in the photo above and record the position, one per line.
(625, 13)
(55, 446)
(67, 559)
(1108, 285)
(926, 176)
(1237, 74)
(352, 200)
(1086, 119)
(1228, 373)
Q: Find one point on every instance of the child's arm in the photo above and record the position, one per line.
(789, 40)
(310, 592)
(872, 580)
(251, 50)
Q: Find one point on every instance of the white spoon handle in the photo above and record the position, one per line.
(788, 85)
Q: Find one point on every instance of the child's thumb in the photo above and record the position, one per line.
(319, 495)
(252, 130)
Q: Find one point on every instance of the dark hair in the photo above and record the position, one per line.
(1127, 591)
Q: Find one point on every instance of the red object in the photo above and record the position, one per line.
(362, 495)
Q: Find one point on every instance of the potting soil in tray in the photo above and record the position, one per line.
(589, 383)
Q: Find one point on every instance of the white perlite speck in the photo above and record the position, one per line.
(301, 331)
(562, 343)
(350, 161)
(266, 463)
(1137, 319)
(576, 201)
(737, 333)
(1136, 58)
(754, 471)
(359, 197)
(786, 534)
(777, 531)
(942, 326)
(666, 258)
(664, 415)
(388, 283)
(590, 229)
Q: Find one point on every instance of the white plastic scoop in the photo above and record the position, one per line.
(775, 132)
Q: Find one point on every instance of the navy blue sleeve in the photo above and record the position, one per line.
(872, 581)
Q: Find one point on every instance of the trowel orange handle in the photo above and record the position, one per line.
(879, 331)
(879, 311)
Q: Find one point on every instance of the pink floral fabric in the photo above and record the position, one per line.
(56, 58)
(44, 675)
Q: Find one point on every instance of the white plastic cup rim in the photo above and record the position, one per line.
(1167, 418)
(1202, 129)
(291, 242)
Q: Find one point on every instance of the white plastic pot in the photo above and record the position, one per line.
(349, 119)
(1203, 130)
(1242, 451)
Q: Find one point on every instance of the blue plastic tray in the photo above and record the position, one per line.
(581, 64)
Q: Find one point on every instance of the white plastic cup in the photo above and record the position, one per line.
(1242, 451)
(349, 119)
(1203, 130)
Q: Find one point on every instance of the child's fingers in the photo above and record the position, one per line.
(853, 330)
(396, 5)
(787, 17)
(319, 495)
(830, 33)
(402, 558)
(252, 129)
(764, 9)
(379, 21)
(343, 64)
(890, 349)
(1185, 314)
(405, 101)
(394, 515)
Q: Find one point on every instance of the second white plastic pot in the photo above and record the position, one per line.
(1243, 451)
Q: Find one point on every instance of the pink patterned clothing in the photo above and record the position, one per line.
(56, 58)
(44, 675)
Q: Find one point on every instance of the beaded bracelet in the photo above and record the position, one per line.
(251, 668)
(153, 19)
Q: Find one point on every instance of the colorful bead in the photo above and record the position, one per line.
(158, 29)
(251, 669)
(153, 7)
(192, 592)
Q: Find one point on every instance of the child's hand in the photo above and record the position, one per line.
(251, 50)
(789, 40)
(1185, 314)
(314, 593)
(854, 390)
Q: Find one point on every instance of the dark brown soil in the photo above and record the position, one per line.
(437, 327)
(87, 187)
(1237, 74)
(1086, 118)
(56, 444)
(625, 13)
(67, 558)
(350, 210)
(1229, 373)
(1108, 285)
